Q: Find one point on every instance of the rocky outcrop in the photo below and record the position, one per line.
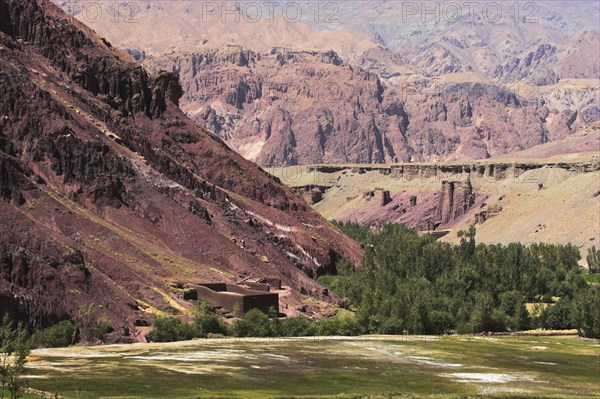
(386, 198)
(431, 197)
(11, 181)
(455, 200)
(490, 170)
(125, 87)
(535, 67)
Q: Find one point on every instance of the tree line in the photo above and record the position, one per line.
(254, 323)
(416, 284)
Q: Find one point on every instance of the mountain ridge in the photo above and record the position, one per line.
(363, 88)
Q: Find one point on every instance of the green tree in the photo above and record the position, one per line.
(206, 321)
(170, 329)
(91, 327)
(586, 312)
(512, 304)
(467, 242)
(345, 326)
(412, 283)
(298, 326)
(593, 260)
(254, 324)
(58, 335)
(481, 318)
(558, 316)
(14, 349)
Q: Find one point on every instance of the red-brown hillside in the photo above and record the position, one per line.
(110, 195)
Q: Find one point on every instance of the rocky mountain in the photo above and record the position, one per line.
(294, 108)
(110, 195)
(349, 83)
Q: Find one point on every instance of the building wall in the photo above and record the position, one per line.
(227, 296)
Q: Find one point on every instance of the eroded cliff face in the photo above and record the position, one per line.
(489, 170)
(301, 107)
(435, 197)
(455, 200)
(110, 195)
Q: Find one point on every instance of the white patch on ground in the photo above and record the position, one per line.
(277, 356)
(496, 378)
(201, 369)
(496, 390)
(315, 261)
(538, 348)
(220, 356)
(73, 354)
(393, 353)
(431, 362)
(547, 363)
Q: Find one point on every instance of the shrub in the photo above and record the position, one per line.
(254, 324)
(346, 326)
(58, 335)
(208, 324)
(298, 326)
(170, 328)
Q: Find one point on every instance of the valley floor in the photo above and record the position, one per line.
(337, 367)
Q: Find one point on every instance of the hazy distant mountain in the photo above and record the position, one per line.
(372, 82)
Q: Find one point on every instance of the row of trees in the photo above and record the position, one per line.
(254, 324)
(415, 284)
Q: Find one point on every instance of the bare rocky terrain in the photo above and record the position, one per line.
(348, 83)
(110, 195)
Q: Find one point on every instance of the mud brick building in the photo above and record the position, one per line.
(226, 296)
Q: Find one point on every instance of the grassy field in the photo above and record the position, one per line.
(366, 367)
